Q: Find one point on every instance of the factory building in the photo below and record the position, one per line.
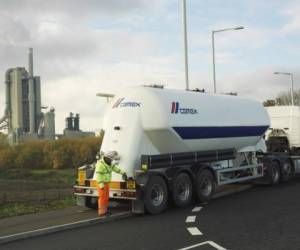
(72, 129)
(23, 116)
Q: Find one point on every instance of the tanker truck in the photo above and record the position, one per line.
(179, 145)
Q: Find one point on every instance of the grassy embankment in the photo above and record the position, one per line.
(39, 176)
(31, 191)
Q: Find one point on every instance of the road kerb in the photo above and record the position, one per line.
(63, 227)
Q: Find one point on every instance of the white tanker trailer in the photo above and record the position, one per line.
(174, 143)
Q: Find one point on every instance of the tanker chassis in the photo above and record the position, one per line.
(180, 145)
(183, 176)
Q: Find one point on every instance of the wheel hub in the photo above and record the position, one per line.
(206, 187)
(157, 195)
(287, 168)
(275, 174)
(183, 191)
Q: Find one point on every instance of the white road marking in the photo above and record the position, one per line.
(190, 219)
(194, 231)
(197, 209)
(213, 244)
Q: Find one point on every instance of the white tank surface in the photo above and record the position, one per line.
(145, 120)
(286, 119)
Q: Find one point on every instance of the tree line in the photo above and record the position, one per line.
(43, 154)
(284, 98)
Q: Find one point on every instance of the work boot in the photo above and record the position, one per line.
(105, 215)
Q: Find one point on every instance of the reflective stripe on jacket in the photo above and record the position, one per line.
(103, 172)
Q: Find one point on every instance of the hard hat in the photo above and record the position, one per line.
(111, 155)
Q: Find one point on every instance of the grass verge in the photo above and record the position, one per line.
(64, 177)
(15, 209)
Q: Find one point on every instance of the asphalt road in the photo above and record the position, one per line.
(261, 218)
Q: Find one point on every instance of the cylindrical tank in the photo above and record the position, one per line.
(149, 121)
(69, 122)
(76, 122)
(49, 125)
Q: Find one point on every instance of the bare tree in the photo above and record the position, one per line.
(284, 98)
(269, 103)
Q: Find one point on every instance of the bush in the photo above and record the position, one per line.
(60, 154)
(3, 141)
(7, 158)
(30, 155)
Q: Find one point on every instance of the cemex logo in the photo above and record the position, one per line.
(177, 110)
(121, 104)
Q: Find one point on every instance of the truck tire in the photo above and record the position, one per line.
(286, 171)
(273, 173)
(182, 190)
(205, 185)
(156, 195)
(91, 202)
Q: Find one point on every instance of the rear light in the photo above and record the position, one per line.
(130, 184)
(128, 194)
(93, 183)
(78, 190)
(115, 185)
(81, 177)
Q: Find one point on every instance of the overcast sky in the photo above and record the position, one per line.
(87, 46)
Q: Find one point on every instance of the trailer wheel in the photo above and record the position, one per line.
(91, 202)
(273, 173)
(205, 185)
(182, 190)
(286, 171)
(156, 195)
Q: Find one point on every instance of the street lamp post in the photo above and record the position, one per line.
(292, 83)
(213, 51)
(185, 44)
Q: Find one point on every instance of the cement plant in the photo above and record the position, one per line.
(25, 119)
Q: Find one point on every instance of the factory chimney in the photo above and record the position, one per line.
(31, 97)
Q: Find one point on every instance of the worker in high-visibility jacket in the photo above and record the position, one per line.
(104, 168)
